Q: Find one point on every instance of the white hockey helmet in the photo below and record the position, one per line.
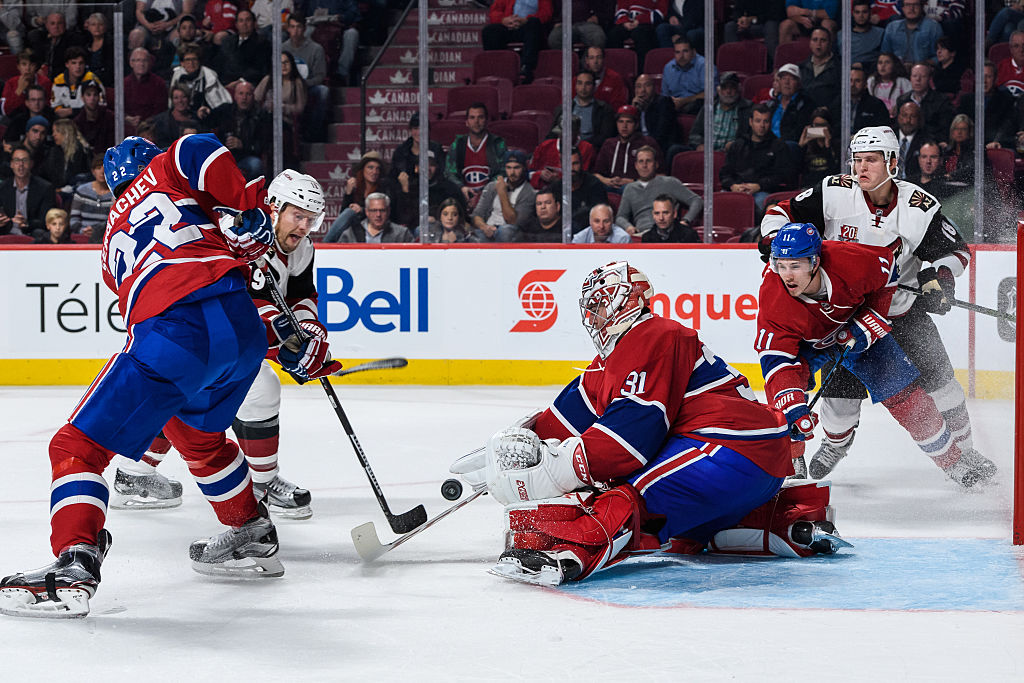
(299, 189)
(614, 296)
(877, 139)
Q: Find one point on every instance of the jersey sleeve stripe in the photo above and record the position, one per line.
(723, 433)
(657, 404)
(638, 428)
(573, 409)
(626, 446)
(564, 422)
(206, 165)
(770, 366)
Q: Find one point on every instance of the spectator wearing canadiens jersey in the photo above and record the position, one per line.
(1011, 69)
(195, 342)
(611, 86)
(683, 455)
(476, 157)
(636, 20)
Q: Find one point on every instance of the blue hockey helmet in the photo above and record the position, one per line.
(125, 161)
(797, 240)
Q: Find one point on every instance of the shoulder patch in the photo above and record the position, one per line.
(922, 200)
(840, 181)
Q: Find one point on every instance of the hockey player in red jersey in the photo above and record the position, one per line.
(671, 448)
(872, 206)
(195, 342)
(819, 296)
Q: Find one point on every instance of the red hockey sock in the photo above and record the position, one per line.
(78, 494)
(219, 468)
(915, 410)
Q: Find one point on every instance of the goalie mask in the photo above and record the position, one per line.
(614, 297)
(300, 190)
(879, 139)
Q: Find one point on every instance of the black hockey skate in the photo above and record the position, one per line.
(821, 537)
(539, 567)
(284, 498)
(972, 468)
(60, 590)
(248, 551)
(144, 491)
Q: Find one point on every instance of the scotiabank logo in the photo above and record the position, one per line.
(538, 301)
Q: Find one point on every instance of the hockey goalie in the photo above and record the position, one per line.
(659, 446)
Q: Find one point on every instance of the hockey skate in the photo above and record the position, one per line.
(248, 551)
(60, 590)
(537, 567)
(284, 498)
(827, 457)
(144, 491)
(820, 536)
(972, 468)
(800, 467)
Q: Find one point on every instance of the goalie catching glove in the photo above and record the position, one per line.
(521, 467)
(938, 289)
(305, 354)
(863, 330)
(249, 234)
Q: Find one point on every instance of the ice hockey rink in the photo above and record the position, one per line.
(932, 591)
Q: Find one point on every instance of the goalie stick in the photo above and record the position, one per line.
(400, 524)
(381, 364)
(369, 547)
(966, 304)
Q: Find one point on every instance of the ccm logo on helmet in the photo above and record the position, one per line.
(538, 301)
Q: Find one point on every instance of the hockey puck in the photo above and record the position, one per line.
(451, 489)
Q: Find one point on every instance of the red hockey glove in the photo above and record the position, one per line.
(863, 330)
(938, 289)
(793, 404)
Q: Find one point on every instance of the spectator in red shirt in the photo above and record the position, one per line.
(636, 19)
(28, 74)
(506, 26)
(611, 86)
(1011, 69)
(145, 92)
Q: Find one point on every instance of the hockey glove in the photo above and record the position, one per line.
(521, 467)
(303, 356)
(250, 234)
(863, 330)
(938, 289)
(793, 404)
(764, 245)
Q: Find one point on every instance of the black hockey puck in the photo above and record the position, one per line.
(451, 489)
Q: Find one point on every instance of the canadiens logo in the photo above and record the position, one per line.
(538, 301)
(920, 200)
(840, 181)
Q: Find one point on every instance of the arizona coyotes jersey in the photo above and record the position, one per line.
(659, 380)
(162, 241)
(294, 275)
(912, 226)
(854, 276)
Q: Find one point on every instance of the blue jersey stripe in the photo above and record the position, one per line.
(641, 426)
(706, 375)
(228, 482)
(93, 489)
(573, 408)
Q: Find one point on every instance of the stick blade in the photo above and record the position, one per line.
(407, 521)
(367, 543)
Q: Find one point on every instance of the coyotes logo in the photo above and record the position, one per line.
(840, 181)
(921, 200)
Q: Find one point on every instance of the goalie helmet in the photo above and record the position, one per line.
(797, 240)
(298, 189)
(614, 296)
(124, 162)
(877, 139)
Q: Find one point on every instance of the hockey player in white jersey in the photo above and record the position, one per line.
(297, 208)
(872, 207)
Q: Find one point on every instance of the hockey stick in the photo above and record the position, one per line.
(966, 304)
(828, 377)
(400, 524)
(382, 364)
(369, 547)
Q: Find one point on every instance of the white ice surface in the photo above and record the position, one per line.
(429, 611)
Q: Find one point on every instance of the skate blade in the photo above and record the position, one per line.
(836, 541)
(245, 568)
(122, 502)
(511, 568)
(303, 512)
(72, 603)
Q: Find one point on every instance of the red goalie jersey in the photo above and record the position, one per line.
(659, 380)
(162, 241)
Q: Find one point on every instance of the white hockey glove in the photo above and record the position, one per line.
(521, 467)
(473, 466)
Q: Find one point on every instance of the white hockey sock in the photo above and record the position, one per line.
(141, 467)
(952, 403)
(839, 418)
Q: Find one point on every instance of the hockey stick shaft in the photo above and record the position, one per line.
(382, 364)
(967, 305)
(829, 376)
(369, 547)
(400, 524)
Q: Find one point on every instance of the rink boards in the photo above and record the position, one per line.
(471, 315)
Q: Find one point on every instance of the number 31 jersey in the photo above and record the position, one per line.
(162, 241)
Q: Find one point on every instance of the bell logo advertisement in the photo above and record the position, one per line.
(538, 301)
(379, 311)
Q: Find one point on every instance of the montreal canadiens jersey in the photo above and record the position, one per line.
(162, 241)
(912, 226)
(855, 276)
(294, 275)
(659, 380)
